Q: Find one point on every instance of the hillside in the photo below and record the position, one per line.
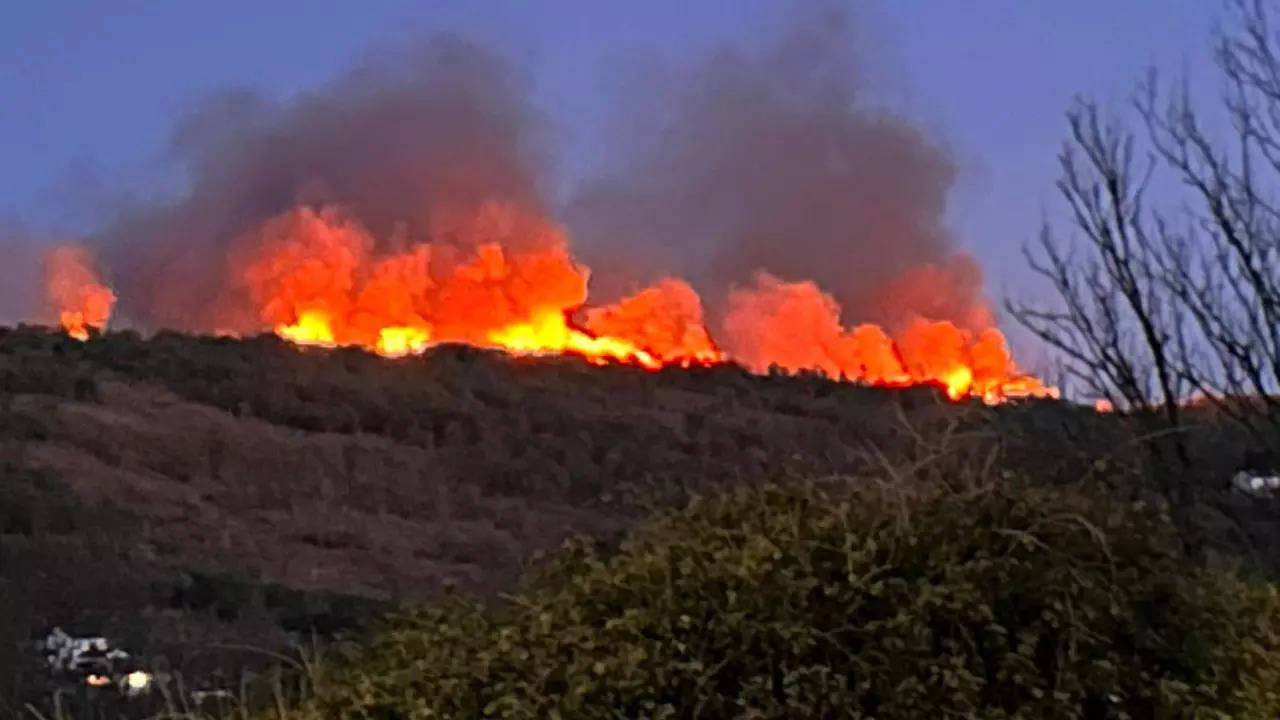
(189, 496)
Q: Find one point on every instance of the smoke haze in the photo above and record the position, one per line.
(752, 202)
(409, 143)
(765, 160)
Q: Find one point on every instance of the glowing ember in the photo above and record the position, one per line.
(74, 292)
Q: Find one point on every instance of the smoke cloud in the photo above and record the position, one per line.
(403, 204)
(745, 161)
(766, 160)
(409, 142)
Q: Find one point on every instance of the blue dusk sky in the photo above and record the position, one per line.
(90, 90)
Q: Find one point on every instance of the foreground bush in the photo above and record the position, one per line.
(791, 603)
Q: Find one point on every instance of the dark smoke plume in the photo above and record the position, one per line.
(401, 142)
(766, 160)
(746, 161)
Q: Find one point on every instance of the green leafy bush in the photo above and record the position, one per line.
(793, 602)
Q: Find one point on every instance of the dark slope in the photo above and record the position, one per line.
(179, 493)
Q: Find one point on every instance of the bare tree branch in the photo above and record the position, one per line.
(1154, 311)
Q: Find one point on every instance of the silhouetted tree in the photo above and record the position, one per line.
(1158, 308)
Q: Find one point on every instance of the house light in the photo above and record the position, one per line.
(137, 682)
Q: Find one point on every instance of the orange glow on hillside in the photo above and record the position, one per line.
(794, 325)
(504, 278)
(316, 278)
(74, 293)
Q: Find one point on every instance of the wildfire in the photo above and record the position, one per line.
(507, 280)
(794, 325)
(315, 278)
(549, 332)
(74, 292)
(311, 328)
(665, 319)
(397, 341)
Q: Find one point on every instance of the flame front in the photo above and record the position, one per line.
(507, 280)
(794, 325)
(74, 292)
(312, 327)
(397, 341)
(315, 278)
(549, 332)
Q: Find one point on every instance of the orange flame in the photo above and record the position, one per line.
(511, 283)
(665, 320)
(397, 341)
(549, 332)
(311, 328)
(74, 292)
(795, 326)
(315, 277)
(505, 279)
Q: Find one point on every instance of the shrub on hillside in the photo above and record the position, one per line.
(792, 602)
